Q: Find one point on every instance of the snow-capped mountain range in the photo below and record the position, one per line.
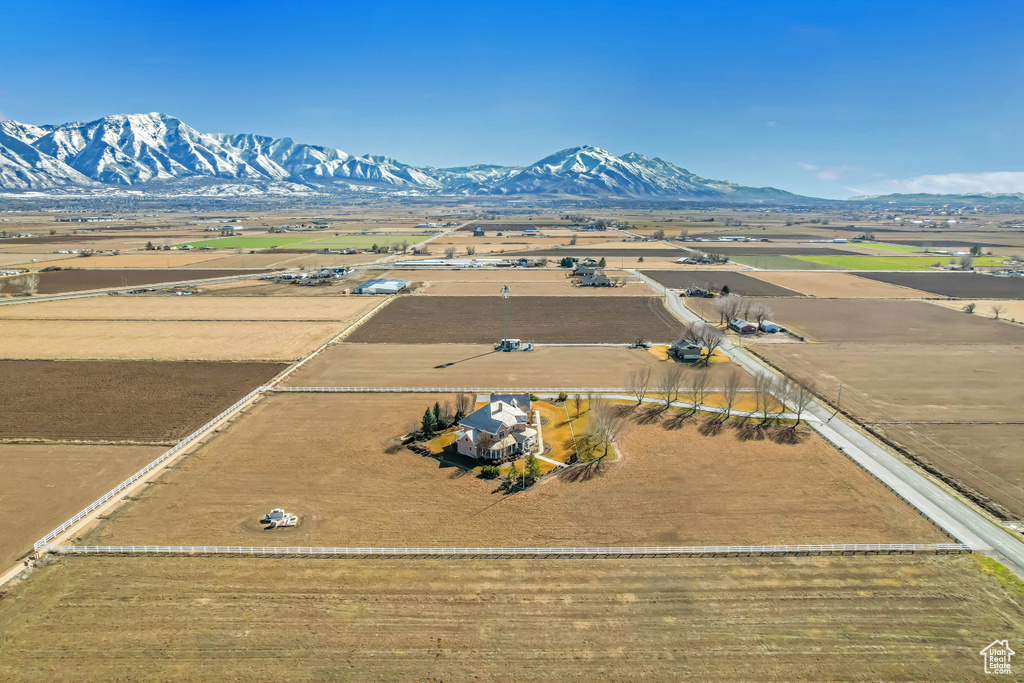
(133, 150)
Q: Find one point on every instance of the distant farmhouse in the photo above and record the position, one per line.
(499, 431)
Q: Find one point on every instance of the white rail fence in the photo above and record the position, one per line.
(135, 477)
(617, 551)
(442, 390)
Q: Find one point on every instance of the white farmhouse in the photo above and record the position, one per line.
(498, 431)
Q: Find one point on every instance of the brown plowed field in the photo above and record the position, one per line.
(120, 401)
(499, 275)
(837, 285)
(469, 365)
(957, 285)
(738, 283)
(58, 282)
(159, 259)
(193, 308)
(162, 339)
(882, 321)
(906, 618)
(540, 319)
(43, 485)
(329, 459)
(566, 288)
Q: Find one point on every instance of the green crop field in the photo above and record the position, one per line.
(250, 242)
(883, 246)
(775, 262)
(891, 262)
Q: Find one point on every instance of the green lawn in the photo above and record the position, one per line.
(892, 262)
(776, 262)
(250, 242)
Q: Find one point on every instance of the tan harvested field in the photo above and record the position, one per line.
(330, 459)
(120, 401)
(915, 382)
(837, 285)
(194, 308)
(42, 485)
(540, 319)
(987, 457)
(566, 288)
(879, 321)
(474, 365)
(1012, 309)
(19, 259)
(160, 259)
(499, 275)
(162, 340)
(907, 618)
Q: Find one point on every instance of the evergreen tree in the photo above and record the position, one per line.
(429, 423)
(602, 263)
(437, 414)
(532, 467)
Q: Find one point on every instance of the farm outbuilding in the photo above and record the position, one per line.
(381, 286)
(686, 350)
(742, 326)
(768, 326)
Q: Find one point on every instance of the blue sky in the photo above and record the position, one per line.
(821, 98)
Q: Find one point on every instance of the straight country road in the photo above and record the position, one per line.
(958, 518)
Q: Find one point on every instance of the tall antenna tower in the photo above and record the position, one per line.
(505, 293)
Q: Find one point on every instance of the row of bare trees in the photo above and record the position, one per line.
(772, 394)
(733, 306)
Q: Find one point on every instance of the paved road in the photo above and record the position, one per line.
(960, 519)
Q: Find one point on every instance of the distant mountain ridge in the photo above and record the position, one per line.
(133, 150)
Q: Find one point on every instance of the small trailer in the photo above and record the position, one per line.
(279, 518)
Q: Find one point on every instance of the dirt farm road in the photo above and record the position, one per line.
(965, 523)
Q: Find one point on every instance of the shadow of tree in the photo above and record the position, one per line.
(676, 420)
(751, 431)
(790, 435)
(711, 426)
(648, 415)
(581, 472)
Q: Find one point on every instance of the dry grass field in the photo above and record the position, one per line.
(330, 459)
(837, 285)
(540, 319)
(474, 365)
(42, 485)
(738, 283)
(986, 457)
(566, 288)
(956, 285)
(960, 386)
(162, 339)
(909, 618)
(193, 308)
(887, 321)
(120, 401)
(1011, 309)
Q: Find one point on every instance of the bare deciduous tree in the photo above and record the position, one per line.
(464, 403)
(449, 252)
(669, 384)
(969, 308)
(658, 235)
(708, 337)
(731, 385)
(966, 262)
(784, 389)
(577, 402)
(759, 311)
(697, 385)
(729, 306)
(572, 240)
(29, 284)
(803, 394)
(764, 384)
(605, 425)
(639, 381)
(470, 250)
(997, 310)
